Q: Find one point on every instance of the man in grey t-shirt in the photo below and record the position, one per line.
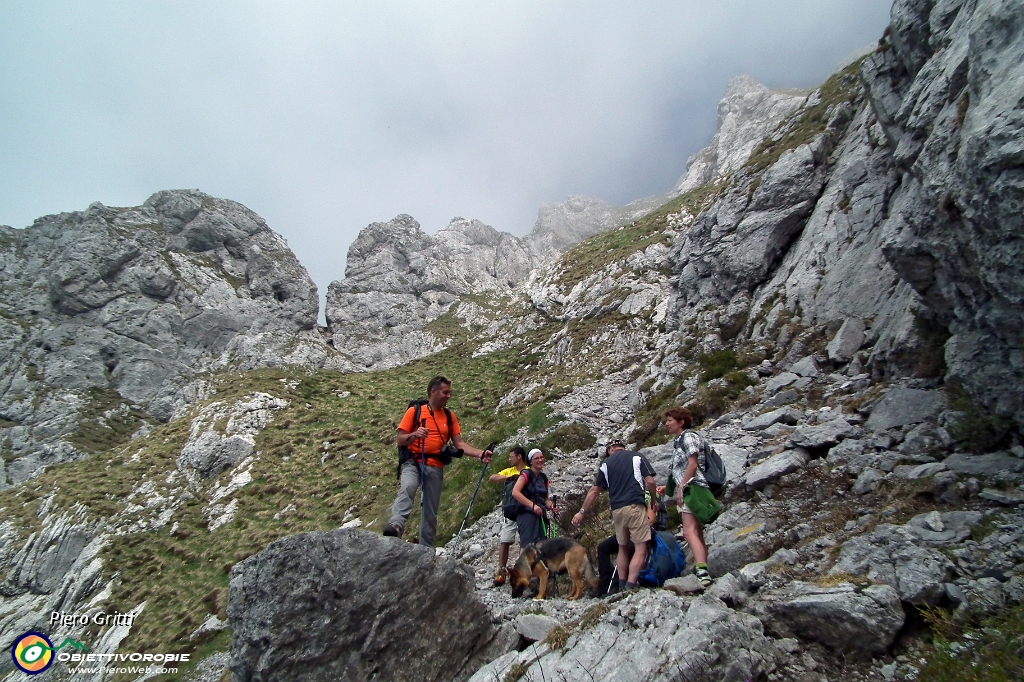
(629, 479)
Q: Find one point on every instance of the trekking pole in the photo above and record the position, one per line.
(423, 475)
(475, 491)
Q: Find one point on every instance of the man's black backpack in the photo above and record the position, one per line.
(404, 453)
(509, 506)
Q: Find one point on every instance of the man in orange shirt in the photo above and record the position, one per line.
(427, 438)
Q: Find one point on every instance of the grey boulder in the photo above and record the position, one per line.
(893, 555)
(823, 435)
(847, 341)
(787, 416)
(857, 623)
(775, 467)
(902, 406)
(651, 635)
(352, 605)
(740, 536)
(991, 465)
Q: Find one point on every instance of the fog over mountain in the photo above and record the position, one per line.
(324, 118)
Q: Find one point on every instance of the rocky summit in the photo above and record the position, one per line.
(832, 289)
(111, 315)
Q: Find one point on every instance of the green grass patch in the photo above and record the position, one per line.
(809, 121)
(515, 673)
(714, 400)
(105, 421)
(569, 438)
(717, 363)
(304, 460)
(649, 417)
(991, 652)
(540, 418)
(559, 636)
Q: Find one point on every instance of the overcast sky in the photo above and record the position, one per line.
(326, 116)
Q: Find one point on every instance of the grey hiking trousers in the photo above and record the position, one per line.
(409, 482)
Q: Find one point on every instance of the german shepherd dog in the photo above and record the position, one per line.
(552, 557)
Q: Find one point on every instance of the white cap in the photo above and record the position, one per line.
(535, 451)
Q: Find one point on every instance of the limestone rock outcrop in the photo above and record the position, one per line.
(561, 225)
(884, 211)
(946, 87)
(108, 314)
(352, 605)
(398, 278)
(747, 113)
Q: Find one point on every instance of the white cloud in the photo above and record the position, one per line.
(323, 117)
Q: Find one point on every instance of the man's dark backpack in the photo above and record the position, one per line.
(509, 507)
(404, 453)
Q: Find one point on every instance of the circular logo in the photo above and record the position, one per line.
(32, 653)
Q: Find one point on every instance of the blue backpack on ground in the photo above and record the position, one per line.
(665, 559)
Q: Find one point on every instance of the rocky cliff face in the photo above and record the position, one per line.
(107, 316)
(747, 113)
(946, 86)
(398, 278)
(890, 196)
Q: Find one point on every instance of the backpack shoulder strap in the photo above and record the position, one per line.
(448, 413)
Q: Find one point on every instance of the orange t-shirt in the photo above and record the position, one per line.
(437, 426)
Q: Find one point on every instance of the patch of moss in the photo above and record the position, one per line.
(978, 429)
(568, 438)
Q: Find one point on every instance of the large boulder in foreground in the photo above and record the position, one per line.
(650, 635)
(352, 605)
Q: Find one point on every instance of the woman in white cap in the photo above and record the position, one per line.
(531, 491)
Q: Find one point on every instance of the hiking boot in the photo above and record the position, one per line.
(501, 577)
(392, 531)
(704, 577)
